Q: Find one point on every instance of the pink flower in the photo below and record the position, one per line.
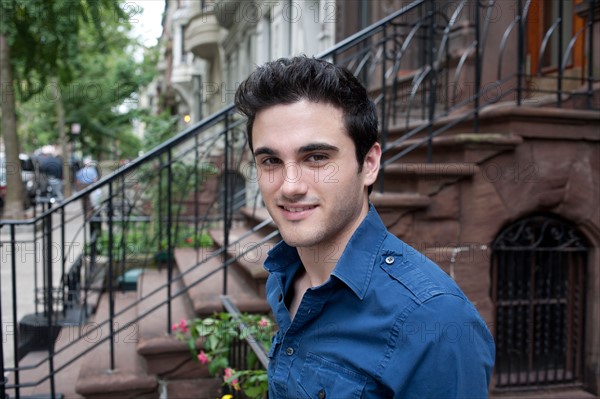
(263, 322)
(174, 327)
(203, 358)
(227, 377)
(183, 326)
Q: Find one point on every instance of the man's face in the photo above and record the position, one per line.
(308, 173)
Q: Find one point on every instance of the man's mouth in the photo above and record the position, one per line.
(298, 209)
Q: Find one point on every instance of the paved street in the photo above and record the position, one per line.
(29, 267)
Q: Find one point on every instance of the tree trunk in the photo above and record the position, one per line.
(15, 192)
(64, 145)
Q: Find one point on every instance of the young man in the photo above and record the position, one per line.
(360, 313)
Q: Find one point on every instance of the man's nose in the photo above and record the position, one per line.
(293, 182)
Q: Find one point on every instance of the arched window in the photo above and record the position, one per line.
(538, 289)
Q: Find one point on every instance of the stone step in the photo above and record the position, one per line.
(36, 368)
(129, 378)
(195, 388)
(472, 148)
(203, 278)
(548, 393)
(425, 178)
(250, 253)
(165, 356)
(256, 216)
(395, 208)
(405, 201)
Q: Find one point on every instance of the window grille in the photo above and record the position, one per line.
(538, 288)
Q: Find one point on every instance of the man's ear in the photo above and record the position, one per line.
(371, 164)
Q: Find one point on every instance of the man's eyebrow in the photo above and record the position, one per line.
(264, 150)
(317, 147)
(302, 150)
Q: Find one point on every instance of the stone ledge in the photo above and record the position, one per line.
(400, 200)
(205, 295)
(117, 383)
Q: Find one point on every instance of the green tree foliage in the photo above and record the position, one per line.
(39, 43)
(99, 95)
(74, 58)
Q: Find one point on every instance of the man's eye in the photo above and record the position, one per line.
(270, 161)
(317, 158)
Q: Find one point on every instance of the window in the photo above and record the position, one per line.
(546, 20)
(538, 289)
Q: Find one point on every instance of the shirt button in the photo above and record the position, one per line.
(321, 394)
(289, 351)
(389, 260)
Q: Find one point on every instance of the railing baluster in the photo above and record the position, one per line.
(124, 226)
(432, 82)
(197, 196)
(225, 175)
(49, 300)
(170, 252)
(590, 52)
(477, 66)
(15, 322)
(63, 257)
(559, 54)
(383, 121)
(111, 296)
(520, 49)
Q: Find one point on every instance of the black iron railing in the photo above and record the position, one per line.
(423, 66)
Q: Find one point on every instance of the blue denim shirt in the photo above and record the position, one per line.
(388, 323)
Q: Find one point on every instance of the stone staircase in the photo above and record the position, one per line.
(436, 207)
(161, 364)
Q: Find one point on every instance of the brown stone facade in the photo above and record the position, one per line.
(555, 170)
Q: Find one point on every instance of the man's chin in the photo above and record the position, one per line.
(297, 242)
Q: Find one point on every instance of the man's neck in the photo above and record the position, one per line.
(319, 261)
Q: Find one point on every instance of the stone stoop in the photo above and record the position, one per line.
(194, 389)
(425, 178)
(204, 282)
(470, 148)
(249, 253)
(421, 202)
(558, 393)
(67, 346)
(129, 379)
(165, 356)
(255, 216)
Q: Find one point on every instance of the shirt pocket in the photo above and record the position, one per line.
(323, 379)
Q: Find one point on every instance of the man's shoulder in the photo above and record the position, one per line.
(413, 271)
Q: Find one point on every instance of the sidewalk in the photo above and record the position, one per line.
(30, 254)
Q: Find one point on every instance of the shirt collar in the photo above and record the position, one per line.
(355, 266)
